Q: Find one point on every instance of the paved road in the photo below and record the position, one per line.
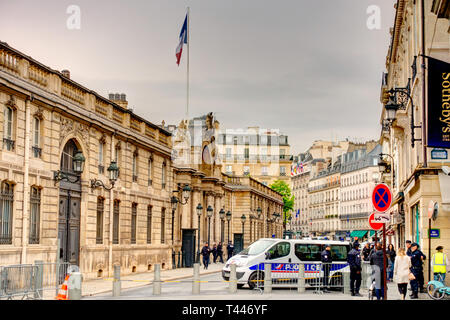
(216, 289)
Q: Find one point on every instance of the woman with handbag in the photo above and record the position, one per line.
(402, 273)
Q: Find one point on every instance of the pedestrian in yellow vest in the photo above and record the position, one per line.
(439, 263)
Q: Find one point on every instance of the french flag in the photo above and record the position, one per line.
(183, 40)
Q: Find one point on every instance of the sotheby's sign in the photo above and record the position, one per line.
(438, 103)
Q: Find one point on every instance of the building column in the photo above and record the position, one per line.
(26, 187)
(216, 224)
(193, 208)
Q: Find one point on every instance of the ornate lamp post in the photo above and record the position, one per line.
(78, 168)
(228, 215)
(113, 171)
(209, 213)
(222, 220)
(243, 223)
(259, 212)
(199, 214)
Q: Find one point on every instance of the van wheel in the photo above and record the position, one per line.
(255, 280)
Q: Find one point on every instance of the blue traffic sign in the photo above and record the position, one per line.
(381, 197)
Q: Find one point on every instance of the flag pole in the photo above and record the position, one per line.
(187, 73)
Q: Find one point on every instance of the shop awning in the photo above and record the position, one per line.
(358, 233)
(400, 196)
(444, 183)
(371, 233)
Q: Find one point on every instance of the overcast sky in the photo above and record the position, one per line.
(309, 68)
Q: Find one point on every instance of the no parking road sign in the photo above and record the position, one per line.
(381, 197)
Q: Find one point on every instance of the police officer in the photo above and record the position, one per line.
(408, 248)
(354, 261)
(327, 261)
(416, 269)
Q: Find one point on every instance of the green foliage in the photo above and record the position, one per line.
(288, 198)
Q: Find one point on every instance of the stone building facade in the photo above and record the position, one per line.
(417, 178)
(47, 121)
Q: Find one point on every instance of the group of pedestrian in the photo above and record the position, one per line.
(217, 252)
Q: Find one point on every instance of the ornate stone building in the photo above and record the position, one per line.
(87, 181)
(415, 177)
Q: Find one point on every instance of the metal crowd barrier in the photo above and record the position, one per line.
(17, 280)
(29, 281)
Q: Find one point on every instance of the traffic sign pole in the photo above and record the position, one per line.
(384, 263)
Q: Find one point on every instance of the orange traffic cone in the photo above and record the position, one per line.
(62, 293)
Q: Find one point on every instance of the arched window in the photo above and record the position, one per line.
(8, 129)
(150, 170)
(163, 225)
(35, 209)
(149, 224)
(67, 155)
(163, 175)
(135, 166)
(6, 212)
(36, 137)
(133, 222)
(116, 222)
(100, 210)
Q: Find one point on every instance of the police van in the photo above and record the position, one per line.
(285, 256)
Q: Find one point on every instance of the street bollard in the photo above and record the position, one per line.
(116, 281)
(39, 279)
(346, 276)
(233, 279)
(74, 286)
(196, 280)
(267, 278)
(301, 278)
(157, 280)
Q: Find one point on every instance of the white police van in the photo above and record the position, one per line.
(284, 255)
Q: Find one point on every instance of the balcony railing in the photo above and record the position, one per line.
(36, 151)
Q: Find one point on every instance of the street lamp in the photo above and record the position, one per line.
(199, 214)
(243, 223)
(185, 193)
(78, 168)
(391, 110)
(113, 171)
(228, 219)
(209, 213)
(222, 220)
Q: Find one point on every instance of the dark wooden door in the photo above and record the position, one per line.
(69, 225)
(238, 243)
(188, 247)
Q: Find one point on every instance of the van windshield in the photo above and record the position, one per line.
(257, 247)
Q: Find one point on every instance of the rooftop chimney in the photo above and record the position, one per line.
(119, 98)
(66, 73)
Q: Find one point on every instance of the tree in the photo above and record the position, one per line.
(288, 198)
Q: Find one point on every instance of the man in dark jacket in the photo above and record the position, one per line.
(206, 251)
(230, 249)
(366, 252)
(408, 248)
(214, 252)
(220, 252)
(327, 260)
(354, 262)
(376, 261)
(417, 270)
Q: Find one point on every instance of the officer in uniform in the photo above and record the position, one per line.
(416, 269)
(327, 261)
(354, 261)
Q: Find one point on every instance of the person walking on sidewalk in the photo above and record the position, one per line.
(402, 265)
(214, 253)
(220, 252)
(439, 264)
(416, 269)
(206, 251)
(378, 271)
(327, 260)
(354, 261)
(391, 261)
